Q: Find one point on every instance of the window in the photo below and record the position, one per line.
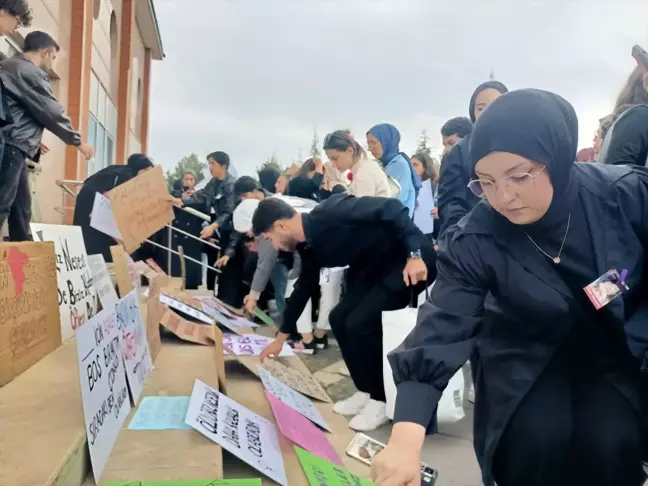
(102, 126)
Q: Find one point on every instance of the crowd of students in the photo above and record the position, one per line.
(517, 238)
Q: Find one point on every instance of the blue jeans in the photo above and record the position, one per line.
(279, 279)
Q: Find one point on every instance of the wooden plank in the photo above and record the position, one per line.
(168, 455)
(42, 430)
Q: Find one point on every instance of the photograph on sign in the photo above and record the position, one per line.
(104, 392)
(76, 292)
(236, 429)
(292, 398)
(102, 281)
(302, 382)
(141, 207)
(251, 345)
(29, 315)
(137, 356)
(298, 429)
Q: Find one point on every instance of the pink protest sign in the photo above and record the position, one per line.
(298, 429)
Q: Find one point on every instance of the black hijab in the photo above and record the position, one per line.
(539, 126)
(487, 85)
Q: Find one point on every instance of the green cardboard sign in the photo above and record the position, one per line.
(265, 318)
(320, 472)
(206, 482)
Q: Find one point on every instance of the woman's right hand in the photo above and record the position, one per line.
(399, 464)
(274, 348)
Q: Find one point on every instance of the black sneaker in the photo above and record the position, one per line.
(322, 343)
(305, 348)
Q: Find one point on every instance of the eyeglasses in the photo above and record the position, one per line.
(484, 188)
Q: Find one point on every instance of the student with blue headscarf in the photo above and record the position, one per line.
(383, 141)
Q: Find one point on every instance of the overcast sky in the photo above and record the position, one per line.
(253, 77)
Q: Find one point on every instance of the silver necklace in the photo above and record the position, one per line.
(555, 259)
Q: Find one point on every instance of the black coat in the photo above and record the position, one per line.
(96, 242)
(537, 309)
(454, 199)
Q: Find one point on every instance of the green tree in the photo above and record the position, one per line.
(190, 163)
(315, 148)
(423, 147)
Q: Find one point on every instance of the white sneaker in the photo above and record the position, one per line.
(373, 416)
(471, 393)
(352, 405)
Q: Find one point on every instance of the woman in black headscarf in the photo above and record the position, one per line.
(560, 395)
(96, 242)
(453, 197)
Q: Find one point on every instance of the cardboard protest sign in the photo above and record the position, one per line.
(215, 309)
(102, 281)
(186, 330)
(298, 429)
(161, 413)
(143, 269)
(215, 482)
(165, 280)
(141, 207)
(77, 295)
(30, 323)
(265, 318)
(236, 429)
(306, 384)
(127, 276)
(292, 398)
(176, 303)
(102, 218)
(137, 357)
(154, 311)
(104, 392)
(320, 471)
(251, 345)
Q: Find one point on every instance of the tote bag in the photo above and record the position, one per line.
(396, 326)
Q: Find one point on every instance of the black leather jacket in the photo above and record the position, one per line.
(32, 107)
(217, 199)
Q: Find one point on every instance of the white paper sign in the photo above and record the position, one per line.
(292, 398)
(252, 345)
(76, 292)
(137, 356)
(182, 307)
(424, 204)
(236, 429)
(103, 385)
(102, 281)
(102, 217)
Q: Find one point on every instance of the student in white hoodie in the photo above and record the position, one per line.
(367, 176)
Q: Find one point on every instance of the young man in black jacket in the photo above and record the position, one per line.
(217, 199)
(32, 108)
(386, 254)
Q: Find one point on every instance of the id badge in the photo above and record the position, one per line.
(606, 288)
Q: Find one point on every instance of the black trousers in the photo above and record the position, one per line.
(574, 430)
(15, 198)
(356, 323)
